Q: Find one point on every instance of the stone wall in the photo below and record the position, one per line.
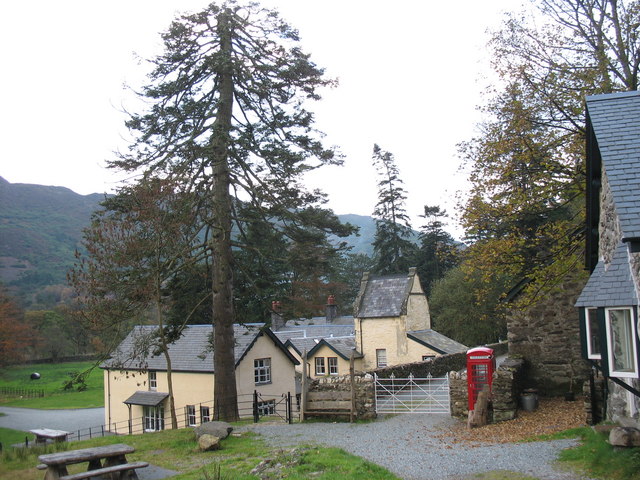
(341, 386)
(506, 387)
(547, 337)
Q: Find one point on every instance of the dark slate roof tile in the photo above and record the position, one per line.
(190, 353)
(437, 341)
(612, 287)
(385, 296)
(616, 122)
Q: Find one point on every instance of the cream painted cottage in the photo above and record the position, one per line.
(135, 380)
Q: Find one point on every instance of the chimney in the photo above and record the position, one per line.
(332, 309)
(277, 322)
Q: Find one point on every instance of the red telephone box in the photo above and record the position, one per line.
(480, 367)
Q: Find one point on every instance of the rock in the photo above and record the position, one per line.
(625, 437)
(217, 429)
(208, 442)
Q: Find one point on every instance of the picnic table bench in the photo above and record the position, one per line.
(115, 463)
(44, 434)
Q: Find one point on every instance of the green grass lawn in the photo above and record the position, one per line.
(177, 450)
(52, 379)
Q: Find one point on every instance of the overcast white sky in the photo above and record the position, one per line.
(411, 73)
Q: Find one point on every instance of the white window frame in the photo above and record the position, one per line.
(587, 320)
(205, 414)
(191, 416)
(262, 371)
(381, 357)
(428, 357)
(631, 331)
(321, 368)
(153, 380)
(153, 418)
(332, 365)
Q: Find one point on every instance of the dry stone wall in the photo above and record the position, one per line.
(338, 388)
(547, 337)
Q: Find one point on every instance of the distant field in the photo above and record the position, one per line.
(52, 379)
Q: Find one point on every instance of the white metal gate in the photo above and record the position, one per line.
(412, 395)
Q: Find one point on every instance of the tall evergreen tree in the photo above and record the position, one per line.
(437, 252)
(226, 113)
(392, 246)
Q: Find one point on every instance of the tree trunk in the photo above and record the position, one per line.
(225, 396)
(167, 357)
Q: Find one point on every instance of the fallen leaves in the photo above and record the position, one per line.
(552, 415)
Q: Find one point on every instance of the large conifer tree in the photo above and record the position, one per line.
(226, 116)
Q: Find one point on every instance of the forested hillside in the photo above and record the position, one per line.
(41, 227)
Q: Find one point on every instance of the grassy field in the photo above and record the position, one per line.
(52, 380)
(177, 450)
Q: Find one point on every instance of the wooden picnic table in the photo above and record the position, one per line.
(110, 459)
(44, 434)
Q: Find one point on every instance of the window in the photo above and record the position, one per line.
(262, 370)
(153, 419)
(320, 368)
(623, 360)
(427, 357)
(381, 357)
(593, 334)
(333, 365)
(191, 415)
(205, 416)
(153, 381)
(267, 407)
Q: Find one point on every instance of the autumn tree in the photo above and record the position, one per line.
(524, 211)
(15, 334)
(142, 238)
(393, 249)
(226, 115)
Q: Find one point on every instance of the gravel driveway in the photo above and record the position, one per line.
(412, 447)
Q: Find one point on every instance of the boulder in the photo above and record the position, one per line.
(217, 429)
(208, 442)
(624, 437)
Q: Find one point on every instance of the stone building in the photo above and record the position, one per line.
(608, 304)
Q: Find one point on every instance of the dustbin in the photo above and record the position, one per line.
(529, 400)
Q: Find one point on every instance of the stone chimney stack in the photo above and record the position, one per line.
(277, 322)
(331, 309)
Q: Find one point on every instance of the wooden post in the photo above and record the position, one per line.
(305, 386)
(352, 378)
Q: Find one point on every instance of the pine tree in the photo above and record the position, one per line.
(392, 246)
(226, 117)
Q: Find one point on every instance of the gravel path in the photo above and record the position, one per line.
(412, 447)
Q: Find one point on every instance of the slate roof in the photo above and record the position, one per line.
(385, 296)
(306, 337)
(190, 353)
(611, 287)
(615, 119)
(436, 341)
(343, 346)
(146, 398)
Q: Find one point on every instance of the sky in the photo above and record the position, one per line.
(411, 74)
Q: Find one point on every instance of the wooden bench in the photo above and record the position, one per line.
(125, 470)
(115, 463)
(332, 404)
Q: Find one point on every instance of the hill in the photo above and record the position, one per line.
(41, 227)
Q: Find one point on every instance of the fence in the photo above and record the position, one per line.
(21, 392)
(254, 406)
